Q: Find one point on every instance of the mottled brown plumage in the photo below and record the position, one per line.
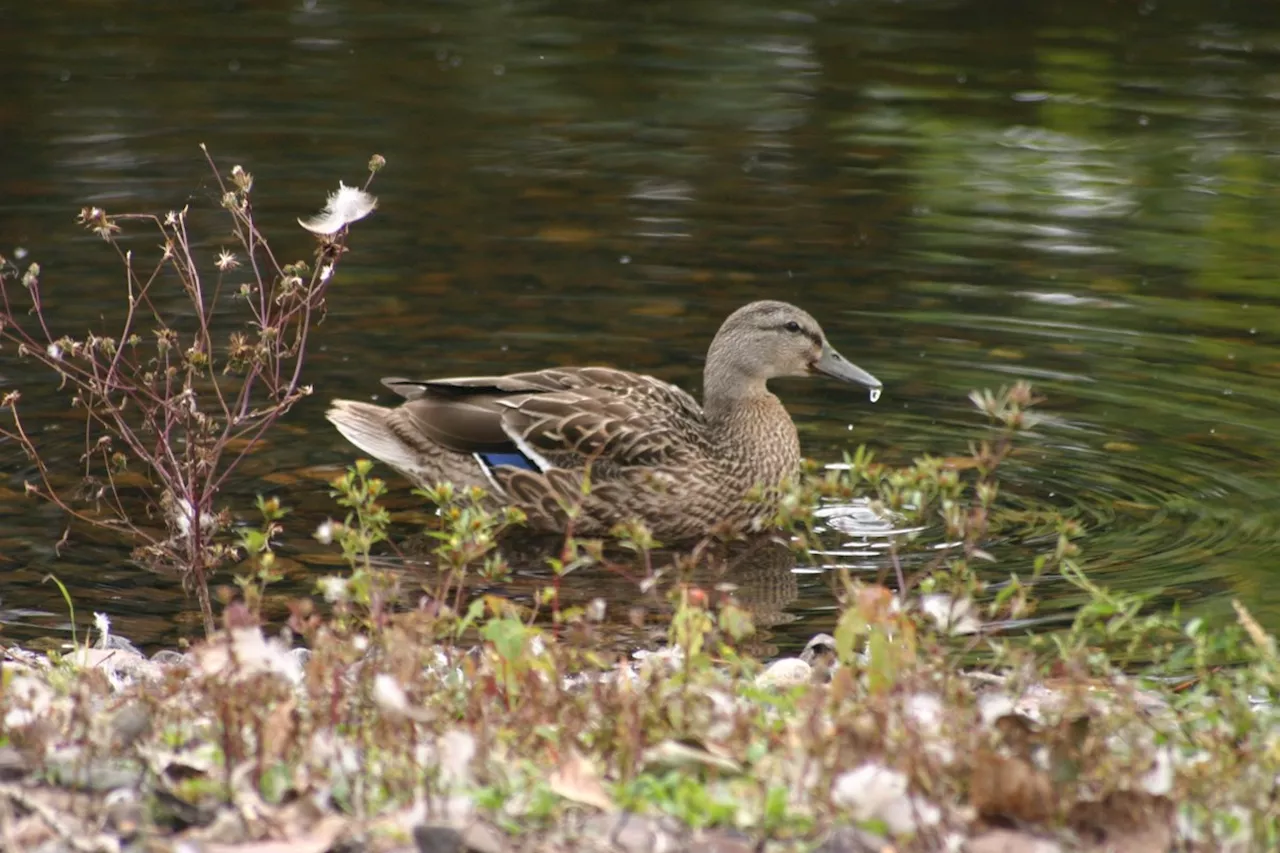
(652, 452)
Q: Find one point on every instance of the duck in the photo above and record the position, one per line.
(583, 450)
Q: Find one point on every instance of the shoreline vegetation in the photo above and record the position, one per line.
(394, 712)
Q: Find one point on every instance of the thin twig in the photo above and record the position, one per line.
(75, 836)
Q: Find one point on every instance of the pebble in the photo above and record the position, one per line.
(784, 674)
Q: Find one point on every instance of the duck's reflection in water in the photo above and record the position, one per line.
(632, 594)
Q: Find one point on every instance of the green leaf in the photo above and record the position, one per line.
(474, 611)
(775, 805)
(507, 636)
(275, 783)
(851, 626)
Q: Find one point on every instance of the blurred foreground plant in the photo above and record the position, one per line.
(922, 726)
(204, 363)
(945, 511)
(900, 731)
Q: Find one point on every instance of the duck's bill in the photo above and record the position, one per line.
(836, 366)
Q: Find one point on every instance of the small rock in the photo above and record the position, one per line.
(1159, 780)
(456, 810)
(630, 833)
(1010, 841)
(115, 641)
(819, 645)
(130, 723)
(719, 841)
(73, 769)
(244, 652)
(850, 839)
(437, 839)
(124, 812)
(119, 664)
(784, 674)
(484, 838)
(28, 700)
(875, 792)
(169, 657)
(456, 749)
(993, 705)
(12, 764)
(864, 789)
(820, 653)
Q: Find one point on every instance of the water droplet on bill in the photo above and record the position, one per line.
(875, 394)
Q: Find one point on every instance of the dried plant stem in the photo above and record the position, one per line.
(167, 393)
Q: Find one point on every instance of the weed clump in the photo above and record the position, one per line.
(929, 717)
(208, 357)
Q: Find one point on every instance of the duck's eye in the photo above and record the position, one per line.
(792, 326)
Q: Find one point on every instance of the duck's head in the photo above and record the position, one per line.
(768, 339)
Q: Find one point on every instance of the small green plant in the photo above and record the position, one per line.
(366, 524)
(71, 606)
(689, 799)
(256, 544)
(467, 540)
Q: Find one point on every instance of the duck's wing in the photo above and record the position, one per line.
(461, 414)
(607, 416)
(592, 413)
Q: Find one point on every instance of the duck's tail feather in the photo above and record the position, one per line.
(368, 427)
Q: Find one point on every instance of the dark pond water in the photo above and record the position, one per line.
(1082, 193)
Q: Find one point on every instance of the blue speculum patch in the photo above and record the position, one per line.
(515, 460)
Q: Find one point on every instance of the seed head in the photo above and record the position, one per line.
(227, 260)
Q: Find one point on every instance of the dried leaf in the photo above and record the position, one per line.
(1264, 641)
(1125, 820)
(876, 604)
(576, 779)
(1009, 788)
(1010, 841)
(681, 756)
(278, 731)
(318, 840)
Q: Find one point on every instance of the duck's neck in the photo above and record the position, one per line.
(728, 394)
(745, 416)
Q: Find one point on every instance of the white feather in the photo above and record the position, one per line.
(342, 208)
(488, 473)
